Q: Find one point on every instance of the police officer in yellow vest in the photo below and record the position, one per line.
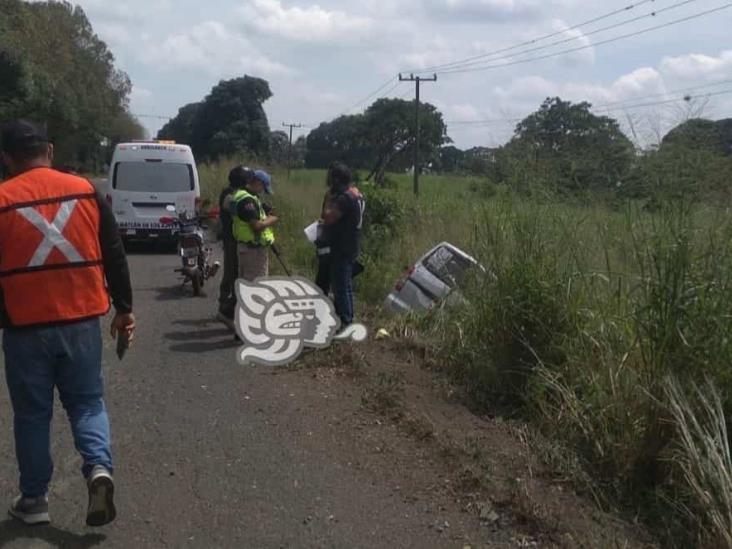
(253, 222)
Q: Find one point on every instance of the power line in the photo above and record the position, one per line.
(587, 46)
(663, 94)
(375, 95)
(372, 94)
(158, 116)
(387, 92)
(605, 105)
(540, 38)
(666, 102)
(573, 38)
(467, 124)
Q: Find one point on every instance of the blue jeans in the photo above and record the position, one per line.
(68, 357)
(341, 281)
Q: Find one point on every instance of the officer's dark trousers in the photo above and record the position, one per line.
(322, 279)
(341, 281)
(227, 291)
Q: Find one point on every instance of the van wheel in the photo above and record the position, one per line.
(196, 282)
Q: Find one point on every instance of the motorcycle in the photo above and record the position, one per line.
(195, 255)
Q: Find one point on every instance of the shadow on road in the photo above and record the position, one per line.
(196, 347)
(12, 530)
(156, 248)
(199, 339)
(197, 323)
(199, 334)
(173, 293)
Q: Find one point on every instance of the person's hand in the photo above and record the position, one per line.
(269, 210)
(123, 322)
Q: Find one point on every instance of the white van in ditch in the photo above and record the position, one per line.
(144, 179)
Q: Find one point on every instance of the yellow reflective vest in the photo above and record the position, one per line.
(243, 232)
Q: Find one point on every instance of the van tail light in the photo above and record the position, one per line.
(403, 280)
(166, 220)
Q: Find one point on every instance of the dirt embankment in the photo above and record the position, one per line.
(516, 485)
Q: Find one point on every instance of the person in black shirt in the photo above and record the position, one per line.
(238, 179)
(342, 221)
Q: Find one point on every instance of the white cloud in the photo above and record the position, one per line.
(304, 24)
(140, 96)
(129, 10)
(114, 34)
(212, 48)
(492, 10)
(698, 66)
(534, 89)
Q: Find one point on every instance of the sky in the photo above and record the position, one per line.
(322, 59)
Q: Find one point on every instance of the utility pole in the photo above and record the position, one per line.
(417, 80)
(289, 149)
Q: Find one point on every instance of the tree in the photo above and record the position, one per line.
(299, 150)
(701, 134)
(379, 139)
(479, 160)
(566, 145)
(451, 159)
(389, 128)
(231, 119)
(180, 128)
(341, 139)
(54, 68)
(279, 147)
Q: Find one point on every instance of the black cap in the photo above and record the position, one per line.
(240, 176)
(21, 135)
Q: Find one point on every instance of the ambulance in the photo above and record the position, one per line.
(145, 179)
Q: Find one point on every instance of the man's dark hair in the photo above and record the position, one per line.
(24, 140)
(339, 175)
(239, 177)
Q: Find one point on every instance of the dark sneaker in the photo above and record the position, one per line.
(30, 510)
(101, 509)
(229, 322)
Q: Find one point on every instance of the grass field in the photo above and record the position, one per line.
(607, 325)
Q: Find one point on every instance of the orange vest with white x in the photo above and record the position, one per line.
(51, 268)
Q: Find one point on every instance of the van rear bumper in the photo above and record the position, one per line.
(131, 234)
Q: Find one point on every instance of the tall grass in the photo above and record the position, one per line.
(590, 313)
(608, 327)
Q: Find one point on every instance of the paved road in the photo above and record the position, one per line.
(210, 454)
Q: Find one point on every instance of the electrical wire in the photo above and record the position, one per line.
(578, 37)
(466, 124)
(538, 39)
(587, 46)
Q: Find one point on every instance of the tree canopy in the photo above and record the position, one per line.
(570, 145)
(55, 69)
(230, 120)
(380, 138)
(701, 134)
(341, 139)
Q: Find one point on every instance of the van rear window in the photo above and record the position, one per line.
(447, 266)
(161, 177)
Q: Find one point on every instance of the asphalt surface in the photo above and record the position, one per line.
(212, 454)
